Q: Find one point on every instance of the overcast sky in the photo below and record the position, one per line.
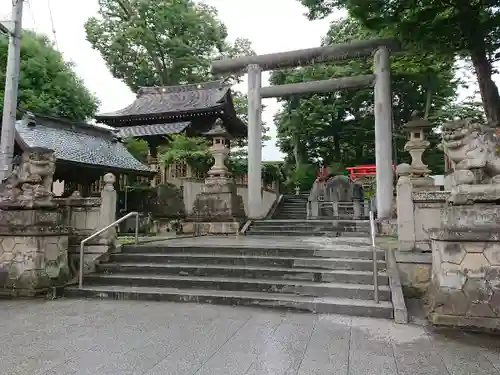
(271, 26)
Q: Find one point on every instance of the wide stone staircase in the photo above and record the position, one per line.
(334, 276)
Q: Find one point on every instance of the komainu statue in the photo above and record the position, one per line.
(473, 150)
(30, 183)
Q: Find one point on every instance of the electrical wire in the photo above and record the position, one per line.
(32, 14)
(53, 25)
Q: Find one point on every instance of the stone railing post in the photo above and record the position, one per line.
(107, 214)
(366, 208)
(405, 209)
(357, 209)
(335, 209)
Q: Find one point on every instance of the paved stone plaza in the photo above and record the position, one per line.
(65, 336)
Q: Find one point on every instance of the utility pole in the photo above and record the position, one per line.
(13, 29)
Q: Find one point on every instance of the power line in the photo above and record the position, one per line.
(32, 14)
(52, 23)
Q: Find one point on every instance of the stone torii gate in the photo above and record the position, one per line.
(381, 79)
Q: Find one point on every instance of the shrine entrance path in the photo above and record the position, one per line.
(76, 336)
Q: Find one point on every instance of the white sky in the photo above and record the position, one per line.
(271, 26)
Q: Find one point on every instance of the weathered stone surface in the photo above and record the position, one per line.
(30, 183)
(465, 270)
(481, 309)
(477, 290)
(451, 302)
(475, 265)
(473, 150)
(452, 252)
(492, 253)
(33, 259)
(495, 301)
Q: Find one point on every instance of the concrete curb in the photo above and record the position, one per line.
(398, 301)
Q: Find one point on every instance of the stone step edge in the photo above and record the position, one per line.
(340, 241)
(356, 307)
(325, 271)
(296, 283)
(252, 257)
(326, 220)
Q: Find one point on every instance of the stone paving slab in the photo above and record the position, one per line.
(76, 337)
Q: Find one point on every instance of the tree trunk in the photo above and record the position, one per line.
(428, 104)
(489, 90)
(296, 152)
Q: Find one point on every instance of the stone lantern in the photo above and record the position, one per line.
(218, 209)
(220, 149)
(416, 146)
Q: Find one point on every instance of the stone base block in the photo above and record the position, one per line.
(216, 228)
(30, 264)
(465, 287)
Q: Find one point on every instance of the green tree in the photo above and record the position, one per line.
(137, 147)
(48, 85)
(191, 150)
(467, 28)
(160, 42)
(337, 128)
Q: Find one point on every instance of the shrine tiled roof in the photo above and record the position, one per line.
(171, 101)
(147, 130)
(78, 143)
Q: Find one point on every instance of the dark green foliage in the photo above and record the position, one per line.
(338, 128)
(465, 28)
(48, 85)
(161, 201)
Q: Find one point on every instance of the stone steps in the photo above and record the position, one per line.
(293, 287)
(344, 261)
(325, 227)
(217, 254)
(335, 275)
(304, 233)
(356, 307)
(345, 271)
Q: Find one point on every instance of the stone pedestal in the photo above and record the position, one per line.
(465, 287)
(218, 209)
(33, 251)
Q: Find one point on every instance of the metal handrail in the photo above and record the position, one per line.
(82, 247)
(375, 265)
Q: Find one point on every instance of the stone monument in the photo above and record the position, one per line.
(218, 209)
(33, 239)
(465, 287)
(327, 197)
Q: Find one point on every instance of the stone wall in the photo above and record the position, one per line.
(418, 213)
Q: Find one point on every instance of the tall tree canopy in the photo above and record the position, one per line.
(469, 28)
(160, 42)
(338, 127)
(48, 85)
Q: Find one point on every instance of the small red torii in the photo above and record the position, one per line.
(363, 170)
